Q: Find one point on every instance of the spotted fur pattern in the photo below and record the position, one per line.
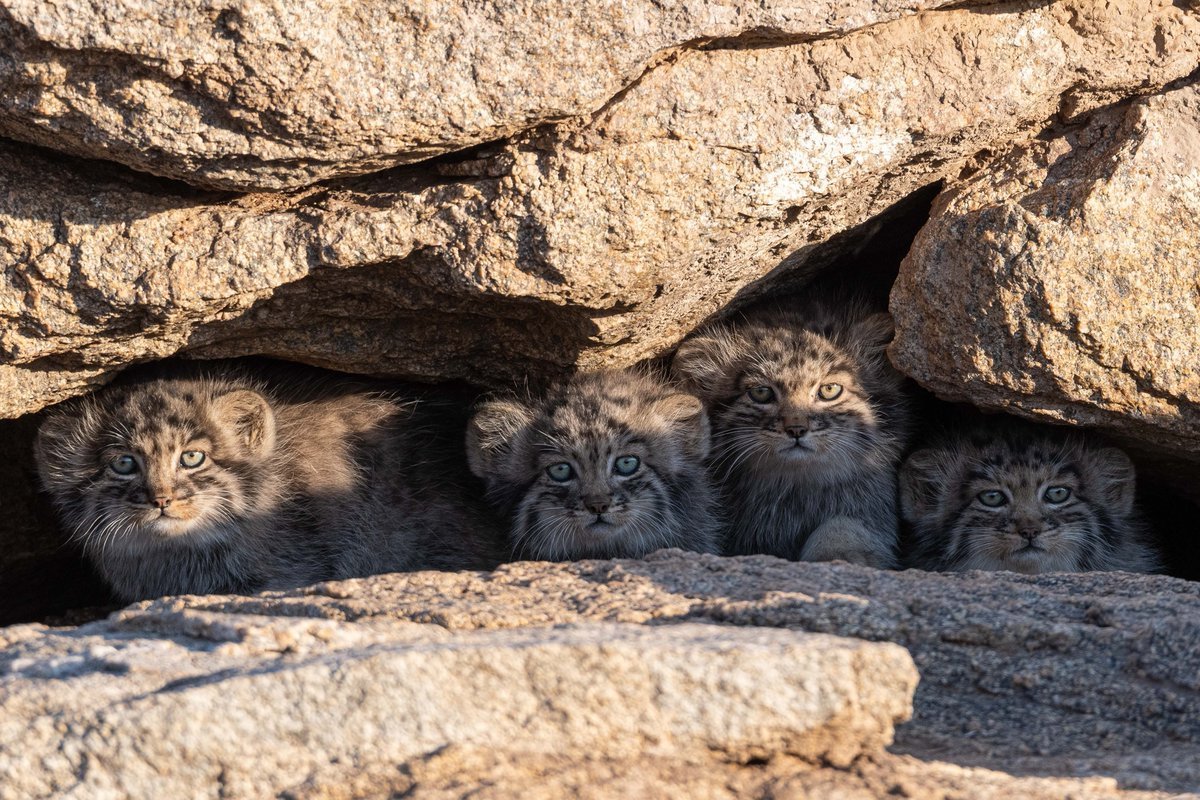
(809, 421)
(1014, 497)
(281, 496)
(554, 466)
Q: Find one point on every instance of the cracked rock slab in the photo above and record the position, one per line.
(598, 241)
(171, 704)
(1085, 675)
(252, 95)
(1061, 280)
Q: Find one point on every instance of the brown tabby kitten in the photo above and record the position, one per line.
(809, 420)
(213, 485)
(607, 465)
(1014, 497)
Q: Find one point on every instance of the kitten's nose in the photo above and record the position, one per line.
(796, 431)
(596, 505)
(1029, 532)
(162, 500)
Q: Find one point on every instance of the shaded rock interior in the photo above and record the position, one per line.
(48, 579)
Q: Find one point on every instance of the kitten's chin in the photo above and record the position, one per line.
(601, 527)
(813, 455)
(601, 530)
(1026, 560)
(175, 527)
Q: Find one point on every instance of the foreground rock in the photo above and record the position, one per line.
(256, 705)
(255, 95)
(345, 689)
(1077, 257)
(600, 240)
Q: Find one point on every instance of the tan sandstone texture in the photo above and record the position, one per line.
(601, 239)
(185, 703)
(1061, 279)
(246, 94)
(598, 678)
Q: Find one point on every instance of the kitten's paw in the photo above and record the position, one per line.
(848, 539)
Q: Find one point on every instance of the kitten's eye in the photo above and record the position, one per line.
(993, 498)
(627, 465)
(1057, 494)
(560, 472)
(761, 394)
(192, 458)
(123, 465)
(829, 391)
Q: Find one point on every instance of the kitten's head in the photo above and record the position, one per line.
(1022, 502)
(168, 460)
(795, 393)
(597, 469)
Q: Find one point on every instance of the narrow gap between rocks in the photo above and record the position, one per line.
(47, 580)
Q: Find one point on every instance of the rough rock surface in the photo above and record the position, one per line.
(1065, 685)
(602, 239)
(1062, 279)
(250, 700)
(246, 94)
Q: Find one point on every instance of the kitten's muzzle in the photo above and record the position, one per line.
(794, 425)
(597, 505)
(1028, 530)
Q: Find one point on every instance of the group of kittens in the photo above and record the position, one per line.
(786, 433)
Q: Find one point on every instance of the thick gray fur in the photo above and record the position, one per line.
(1097, 527)
(290, 492)
(589, 422)
(804, 478)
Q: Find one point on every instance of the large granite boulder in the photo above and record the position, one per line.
(246, 95)
(1061, 279)
(598, 240)
(542, 679)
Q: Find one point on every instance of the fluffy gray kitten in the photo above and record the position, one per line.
(809, 421)
(607, 465)
(1006, 496)
(213, 485)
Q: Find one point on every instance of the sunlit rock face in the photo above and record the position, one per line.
(1061, 279)
(612, 210)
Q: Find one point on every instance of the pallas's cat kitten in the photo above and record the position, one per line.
(606, 465)
(213, 484)
(809, 420)
(1007, 496)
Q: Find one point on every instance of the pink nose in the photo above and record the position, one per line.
(162, 501)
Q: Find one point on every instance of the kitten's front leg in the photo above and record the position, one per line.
(849, 539)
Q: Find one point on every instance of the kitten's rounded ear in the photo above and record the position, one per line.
(1116, 477)
(250, 416)
(920, 477)
(705, 362)
(874, 331)
(56, 444)
(687, 416)
(493, 434)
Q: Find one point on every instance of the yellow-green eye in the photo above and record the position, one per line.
(761, 394)
(992, 498)
(560, 472)
(1057, 494)
(123, 465)
(829, 391)
(191, 458)
(627, 465)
